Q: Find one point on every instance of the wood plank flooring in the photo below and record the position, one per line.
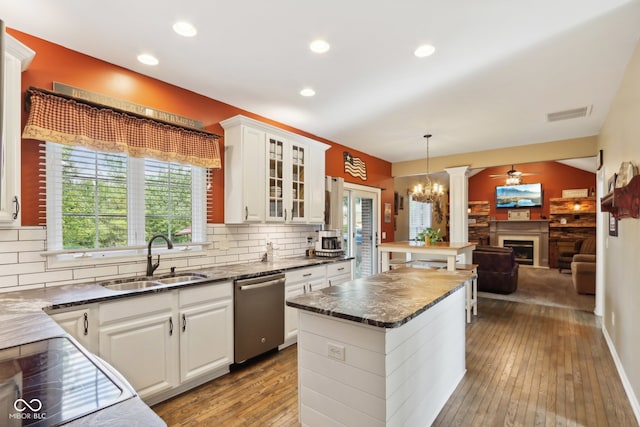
(527, 365)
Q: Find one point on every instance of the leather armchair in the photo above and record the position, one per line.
(585, 246)
(583, 273)
(497, 269)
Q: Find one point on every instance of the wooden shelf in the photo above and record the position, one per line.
(623, 202)
(582, 225)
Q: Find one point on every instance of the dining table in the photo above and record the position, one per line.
(450, 251)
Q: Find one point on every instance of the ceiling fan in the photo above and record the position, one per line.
(513, 176)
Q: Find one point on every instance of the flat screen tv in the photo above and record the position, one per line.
(519, 196)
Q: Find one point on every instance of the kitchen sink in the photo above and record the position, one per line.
(181, 279)
(130, 286)
(150, 282)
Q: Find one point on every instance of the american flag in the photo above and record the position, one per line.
(355, 166)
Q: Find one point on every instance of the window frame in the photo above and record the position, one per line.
(137, 246)
(428, 217)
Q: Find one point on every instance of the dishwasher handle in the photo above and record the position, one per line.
(259, 282)
(268, 283)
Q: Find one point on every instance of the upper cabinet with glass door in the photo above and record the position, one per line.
(17, 58)
(292, 190)
(287, 198)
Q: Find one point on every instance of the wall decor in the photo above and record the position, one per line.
(355, 166)
(613, 225)
(396, 202)
(578, 192)
(387, 212)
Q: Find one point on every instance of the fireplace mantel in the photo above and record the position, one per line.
(534, 228)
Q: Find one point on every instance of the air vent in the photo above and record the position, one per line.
(569, 114)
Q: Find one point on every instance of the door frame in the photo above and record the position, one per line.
(364, 190)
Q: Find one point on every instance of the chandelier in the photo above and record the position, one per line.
(429, 192)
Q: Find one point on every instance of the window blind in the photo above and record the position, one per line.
(419, 217)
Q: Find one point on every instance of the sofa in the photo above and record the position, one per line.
(497, 269)
(584, 246)
(583, 273)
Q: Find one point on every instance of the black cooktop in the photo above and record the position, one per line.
(51, 382)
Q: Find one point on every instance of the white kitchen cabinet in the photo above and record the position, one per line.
(315, 166)
(206, 329)
(339, 272)
(299, 282)
(17, 59)
(81, 322)
(139, 337)
(287, 177)
(168, 342)
(244, 174)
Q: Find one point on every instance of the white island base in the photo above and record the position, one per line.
(354, 374)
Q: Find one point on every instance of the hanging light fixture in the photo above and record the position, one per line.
(428, 192)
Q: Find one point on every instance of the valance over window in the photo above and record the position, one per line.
(67, 121)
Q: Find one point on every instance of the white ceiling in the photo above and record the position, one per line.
(499, 67)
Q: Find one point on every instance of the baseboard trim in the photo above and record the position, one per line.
(633, 399)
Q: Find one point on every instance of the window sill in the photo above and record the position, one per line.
(77, 258)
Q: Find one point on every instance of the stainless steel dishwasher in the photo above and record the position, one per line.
(258, 315)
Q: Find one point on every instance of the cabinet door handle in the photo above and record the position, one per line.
(170, 326)
(86, 324)
(184, 322)
(330, 284)
(246, 213)
(307, 274)
(17, 203)
(285, 214)
(341, 268)
(310, 287)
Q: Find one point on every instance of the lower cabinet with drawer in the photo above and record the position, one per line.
(298, 282)
(168, 342)
(339, 272)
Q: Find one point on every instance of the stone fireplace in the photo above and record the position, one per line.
(526, 237)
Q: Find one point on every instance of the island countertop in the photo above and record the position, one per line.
(386, 300)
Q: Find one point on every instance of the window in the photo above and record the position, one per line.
(99, 200)
(419, 217)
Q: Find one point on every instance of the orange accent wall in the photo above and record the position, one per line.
(554, 177)
(54, 63)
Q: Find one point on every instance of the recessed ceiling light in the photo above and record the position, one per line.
(307, 92)
(319, 46)
(424, 51)
(185, 29)
(148, 59)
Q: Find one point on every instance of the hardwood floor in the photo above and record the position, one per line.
(529, 365)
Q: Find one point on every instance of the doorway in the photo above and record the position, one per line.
(360, 225)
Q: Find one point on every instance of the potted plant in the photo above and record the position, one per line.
(429, 235)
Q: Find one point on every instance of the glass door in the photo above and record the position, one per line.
(276, 179)
(360, 228)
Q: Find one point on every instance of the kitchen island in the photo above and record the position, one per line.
(384, 350)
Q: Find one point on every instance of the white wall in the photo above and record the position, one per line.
(22, 266)
(620, 141)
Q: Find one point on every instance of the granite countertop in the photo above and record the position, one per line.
(386, 300)
(24, 319)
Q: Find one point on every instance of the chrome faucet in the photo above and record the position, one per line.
(151, 267)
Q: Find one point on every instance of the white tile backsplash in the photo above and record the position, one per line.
(23, 267)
